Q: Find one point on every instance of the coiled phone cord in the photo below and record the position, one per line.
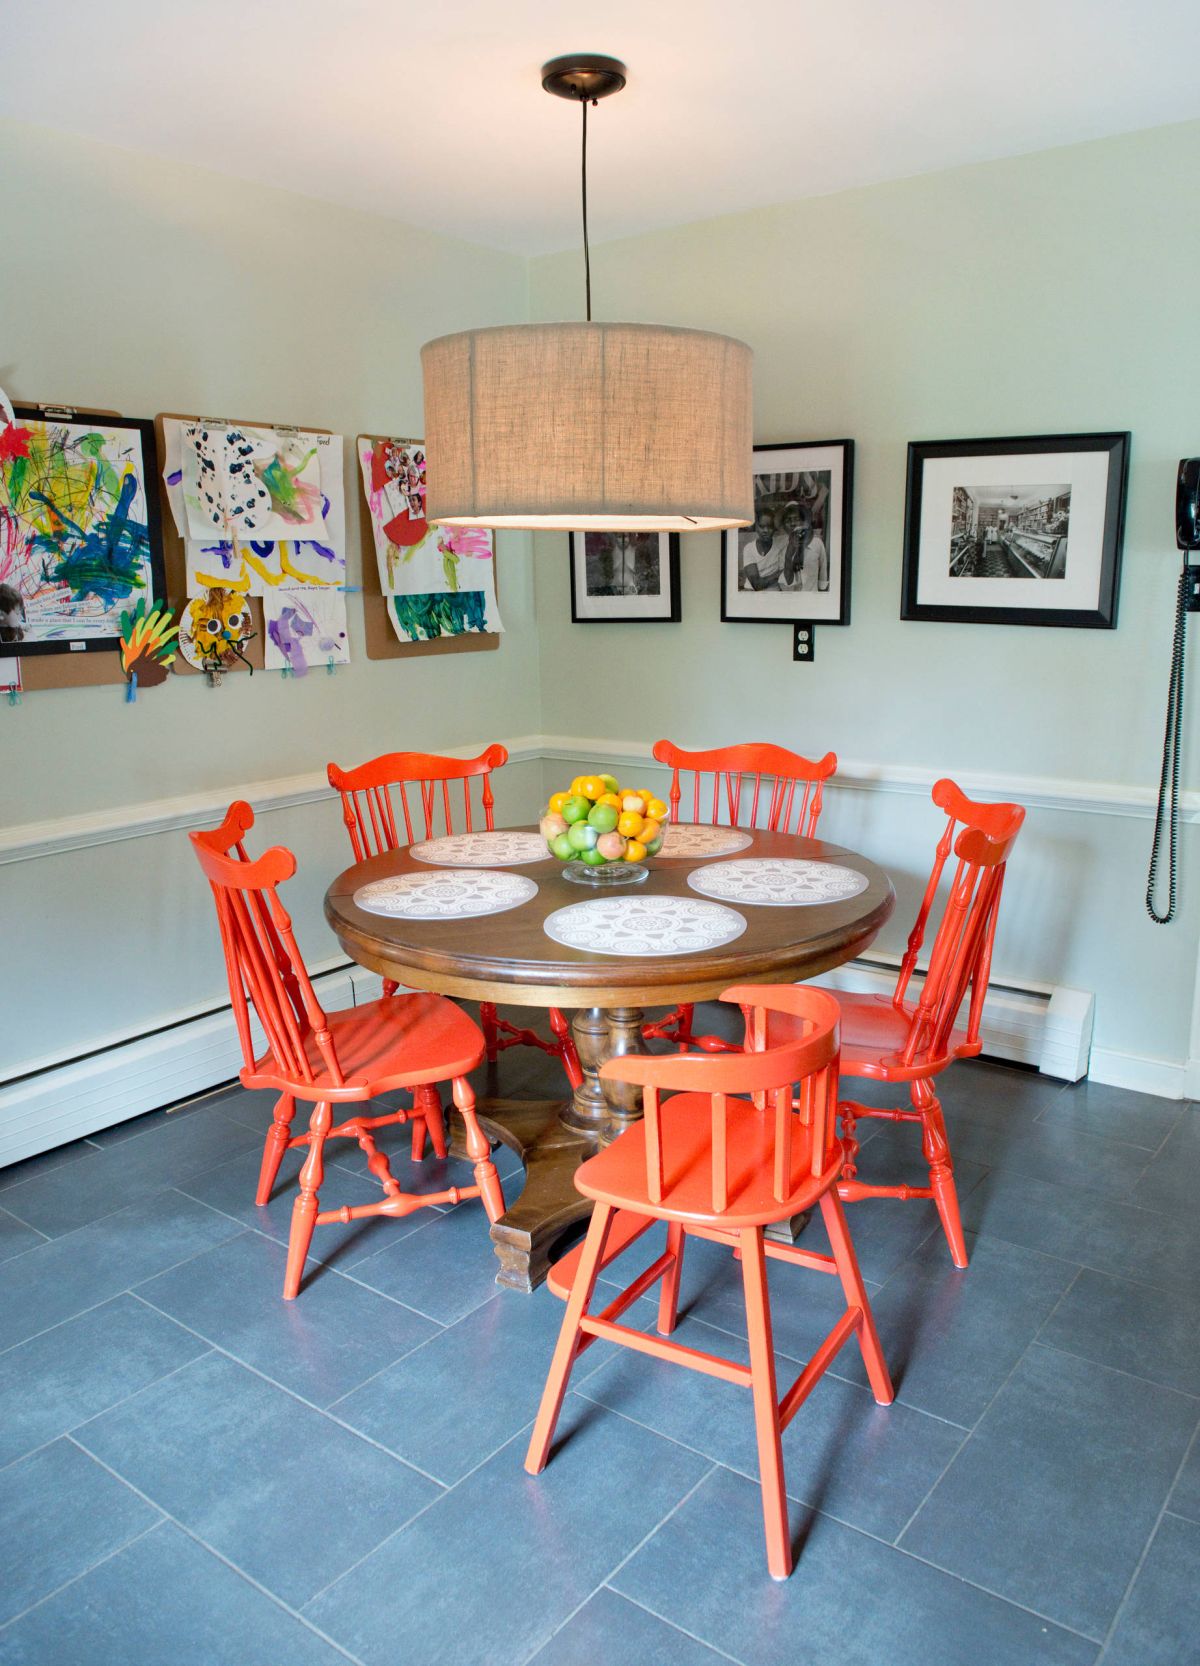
(1168, 805)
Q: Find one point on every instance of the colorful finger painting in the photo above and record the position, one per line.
(305, 628)
(241, 482)
(79, 538)
(440, 581)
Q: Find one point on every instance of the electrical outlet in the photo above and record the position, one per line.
(804, 641)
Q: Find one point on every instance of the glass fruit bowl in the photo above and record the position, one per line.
(602, 833)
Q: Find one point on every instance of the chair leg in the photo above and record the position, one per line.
(304, 1210)
(278, 1136)
(487, 1022)
(566, 1047)
(435, 1121)
(569, 1337)
(683, 1026)
(766, 1403)
(479, 1151)
(936, 1147)
(668, 1296)
(834, 1216)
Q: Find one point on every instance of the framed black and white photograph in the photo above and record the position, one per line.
(624, 576)
(794, 562)
(1021, 531)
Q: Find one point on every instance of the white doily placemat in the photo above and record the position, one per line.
(779, 881)
(453, 895)
(644, 925)
(503, 849)
(689, 838)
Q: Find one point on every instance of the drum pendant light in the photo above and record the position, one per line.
(588, 426)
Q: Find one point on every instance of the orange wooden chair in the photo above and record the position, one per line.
(714, 1164)
(369, 811)
(746, 779)
(894, 1039)
(336, 1058)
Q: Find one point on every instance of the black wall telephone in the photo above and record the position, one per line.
(1187, 536)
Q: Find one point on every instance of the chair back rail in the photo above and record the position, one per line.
(263, 963)
(746, 781)
(796, 1084)
(980, 836)
(418, 785)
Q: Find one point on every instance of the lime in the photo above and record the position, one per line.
(655, 845)
(576, 808)
(562, 847)
(611, 784)
(582, 837)
(602, 817)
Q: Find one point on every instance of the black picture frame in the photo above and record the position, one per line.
(772, 604)
(143, 427)
(616, 607)
(1025, 553)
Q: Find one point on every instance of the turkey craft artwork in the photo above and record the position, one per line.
(261, 512)
(438, 581)
(147, 646)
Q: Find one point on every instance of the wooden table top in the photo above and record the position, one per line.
(508, 957)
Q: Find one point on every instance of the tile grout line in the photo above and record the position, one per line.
(65, 1434)
(310, 1405)
(704, 1644)
(975, 1426)
(679, 1503)
(1146, 1548)
(213, 1551)
(84, 1572)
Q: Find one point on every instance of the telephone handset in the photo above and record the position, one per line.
(1187, 536)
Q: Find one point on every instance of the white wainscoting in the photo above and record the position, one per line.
(1033, 1023)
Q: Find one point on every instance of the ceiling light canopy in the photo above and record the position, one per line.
(589, 426)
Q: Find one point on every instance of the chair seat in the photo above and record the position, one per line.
(400, 1041)
(874, 1032)
(617, 1174)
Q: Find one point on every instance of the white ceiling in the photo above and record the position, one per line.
(433, 113)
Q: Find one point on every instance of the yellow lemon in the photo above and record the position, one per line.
(630, 824)
(635, 851)
(649, 831)
(610, 798)
(591, 786)
(557, 800)
(656, 808)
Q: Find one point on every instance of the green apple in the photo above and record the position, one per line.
(576, 808)
(602, 817)
(562, 847)
(655, 845)
(582, 836)
(611, 784)
(593, 858)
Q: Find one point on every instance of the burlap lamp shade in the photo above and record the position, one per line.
(609, 427)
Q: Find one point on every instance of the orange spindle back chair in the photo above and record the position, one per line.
(895, 1039)
(421, 784)
(352, 1056)
(755, 784)
(744, 1141)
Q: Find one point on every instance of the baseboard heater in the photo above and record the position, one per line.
(1050, 1029)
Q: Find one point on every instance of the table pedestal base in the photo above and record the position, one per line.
(552, 1138)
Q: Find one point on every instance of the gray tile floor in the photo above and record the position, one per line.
(196, 1473)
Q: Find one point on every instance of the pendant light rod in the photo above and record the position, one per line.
(587, 253)
(588, 77)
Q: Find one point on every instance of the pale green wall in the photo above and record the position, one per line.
(1053, 293)
(144, 286)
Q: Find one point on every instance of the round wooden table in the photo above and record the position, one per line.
(509, 958)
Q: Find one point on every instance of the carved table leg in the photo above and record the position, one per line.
(552, 1138)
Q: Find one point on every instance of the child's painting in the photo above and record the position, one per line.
(305, 628)
(303, 511)
(439, 581)
(79, 534)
